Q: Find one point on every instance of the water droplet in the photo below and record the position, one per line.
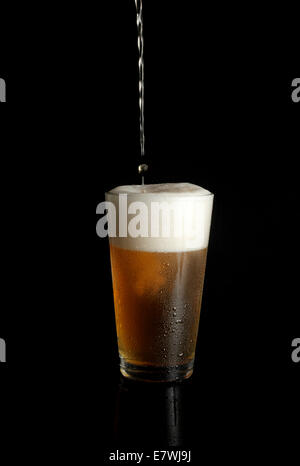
(179, 321)
(174, 314)
(143, 168)
(191, 341)
(180, 354)
(174, 308)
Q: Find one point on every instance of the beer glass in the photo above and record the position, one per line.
(158, 237)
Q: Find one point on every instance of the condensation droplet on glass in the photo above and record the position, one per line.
(180, 354)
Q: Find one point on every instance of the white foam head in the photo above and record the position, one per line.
(182, 211)
(162, 188)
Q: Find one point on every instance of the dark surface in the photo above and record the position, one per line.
(218, 113)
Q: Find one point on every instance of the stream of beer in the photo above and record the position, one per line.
(139, 21)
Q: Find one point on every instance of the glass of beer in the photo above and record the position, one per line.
(158, 237)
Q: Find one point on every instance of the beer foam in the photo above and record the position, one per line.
(162, 188)
(189, 206)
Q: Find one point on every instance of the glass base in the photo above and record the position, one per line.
(156, 374)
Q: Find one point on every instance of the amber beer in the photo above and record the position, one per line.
(157, 289)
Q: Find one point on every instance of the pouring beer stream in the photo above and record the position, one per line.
(143, 167)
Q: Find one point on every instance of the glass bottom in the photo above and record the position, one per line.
(156, 374)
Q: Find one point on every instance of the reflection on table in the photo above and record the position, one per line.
(150, 414)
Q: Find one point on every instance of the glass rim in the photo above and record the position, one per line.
(178, 194)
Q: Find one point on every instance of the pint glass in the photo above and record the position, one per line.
(158, 237)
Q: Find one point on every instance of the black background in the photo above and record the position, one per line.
(218, 113)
